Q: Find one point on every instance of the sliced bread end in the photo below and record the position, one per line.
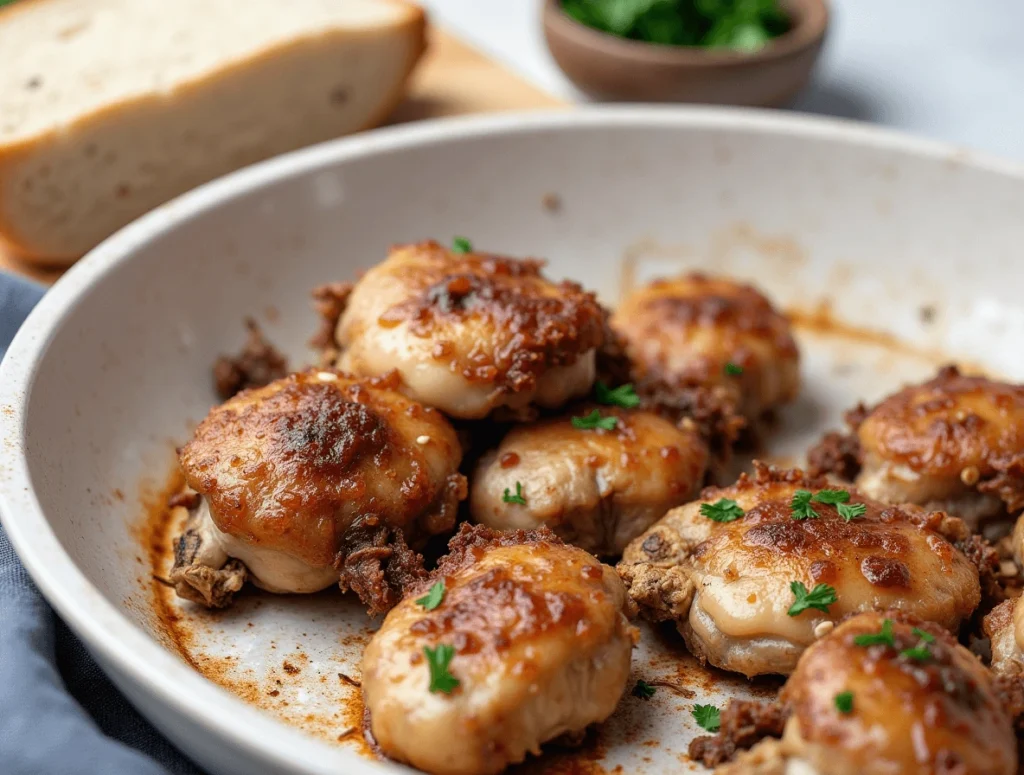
(65, 190)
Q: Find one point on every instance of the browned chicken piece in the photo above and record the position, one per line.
(1004, 626)
(954, 443)
(516, 639)
(714, 332)
(316, 479)
(724, 569)
(469, 333)
(887, 694)
(595, 487)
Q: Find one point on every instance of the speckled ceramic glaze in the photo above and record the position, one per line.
(916, 240)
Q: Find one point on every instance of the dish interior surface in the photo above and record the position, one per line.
(893, 257)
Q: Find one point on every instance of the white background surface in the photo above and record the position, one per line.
(948, 69)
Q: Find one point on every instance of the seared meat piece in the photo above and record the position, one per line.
(888, 694)
(534, 643)
(470, 332)
(597, 488)
(723, 568)
(954, 443)
(713, 332)
(314, 479)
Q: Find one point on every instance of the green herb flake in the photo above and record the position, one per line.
(593, 421)
(803, 500)
(831, 497)
(920, 653)
(801, 505)
(433, 598)
(819, 598)
(733, 369)
(517, 497)
(624, 395)
(850, 511)
(461, 245)
(881, 638)
(643, 690)
(708, 717)
(438, 659)
(844, 702)
(739, 25)
(723, 510)
(927, 637)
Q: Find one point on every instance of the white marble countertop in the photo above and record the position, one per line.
(947, 69)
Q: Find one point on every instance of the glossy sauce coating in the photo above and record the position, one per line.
(471, 332)
(726, 585)
(933, 715)
(542, 648)
(596, 488)
(954, 441)
(294, 466)
(688, 329)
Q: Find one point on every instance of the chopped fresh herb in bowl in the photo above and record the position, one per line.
(740, 25)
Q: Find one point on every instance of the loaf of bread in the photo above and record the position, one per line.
(111, 107)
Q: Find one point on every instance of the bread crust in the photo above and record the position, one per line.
(413, 26)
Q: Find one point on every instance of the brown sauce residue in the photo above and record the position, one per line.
(183, 628)
(820, 320)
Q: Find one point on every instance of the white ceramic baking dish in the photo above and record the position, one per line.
(891, 234)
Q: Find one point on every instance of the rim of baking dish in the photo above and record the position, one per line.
(114, 638)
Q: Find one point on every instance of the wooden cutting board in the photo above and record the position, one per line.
(453, 79)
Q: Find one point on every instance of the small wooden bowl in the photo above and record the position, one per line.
(613, 68)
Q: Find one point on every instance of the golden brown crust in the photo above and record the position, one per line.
(936, 712)
(947, 423)
(472, 542)
(954, 442)
(296, 465)
(539, 645)
(596, 488)
(727, 584)
(543, 324)
(687, 330)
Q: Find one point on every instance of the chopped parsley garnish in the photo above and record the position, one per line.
(920, 653)
(831, 497)
(624, 395)
(927, 637)
(723, 510)
(438, 660)
(844, 702)
(708, 716)
(593, 421)
(461, 245)
(516, 497)
(737, 25)
(820, 598)
(881, 638)
(433, 598)
(802, 507)
(850, 511)
(733, 369)
(643, 690)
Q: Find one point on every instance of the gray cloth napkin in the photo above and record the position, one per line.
(59, 715)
